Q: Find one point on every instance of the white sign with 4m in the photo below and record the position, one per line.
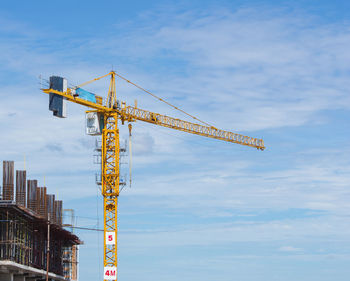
(110, 273)
(110, 238)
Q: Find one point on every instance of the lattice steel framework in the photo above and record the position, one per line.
(110, 184)
(130, 113)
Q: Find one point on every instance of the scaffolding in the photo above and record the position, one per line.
(23, 227)
(70, 262)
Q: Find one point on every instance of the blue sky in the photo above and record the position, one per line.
(199, 209)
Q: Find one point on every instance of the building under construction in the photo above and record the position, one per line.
(33, 242)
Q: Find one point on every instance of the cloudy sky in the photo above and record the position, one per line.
(198, 209)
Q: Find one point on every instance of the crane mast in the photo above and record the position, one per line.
(110, 191)
(111, 113)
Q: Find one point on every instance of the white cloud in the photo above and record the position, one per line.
(250, 71)
(290, 249)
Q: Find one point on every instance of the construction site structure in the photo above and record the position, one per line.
(24, 218)
(102, 118)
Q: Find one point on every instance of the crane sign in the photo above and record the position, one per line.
(102, 119)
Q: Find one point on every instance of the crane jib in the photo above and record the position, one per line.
(129, 113)
(132, 113)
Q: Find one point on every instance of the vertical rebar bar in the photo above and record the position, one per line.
(8, 180)
(50, 198)
(31, 194)
(41, 201)
(21, 188)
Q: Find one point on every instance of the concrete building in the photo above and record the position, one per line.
(25, 221)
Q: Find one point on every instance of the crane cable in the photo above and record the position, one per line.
(130, 153)
(148, 92)
(93, 80)
(86, 228)
(162, 100)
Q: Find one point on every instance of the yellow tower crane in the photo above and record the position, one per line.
(104, 117)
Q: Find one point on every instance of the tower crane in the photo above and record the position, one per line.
(102, 119)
